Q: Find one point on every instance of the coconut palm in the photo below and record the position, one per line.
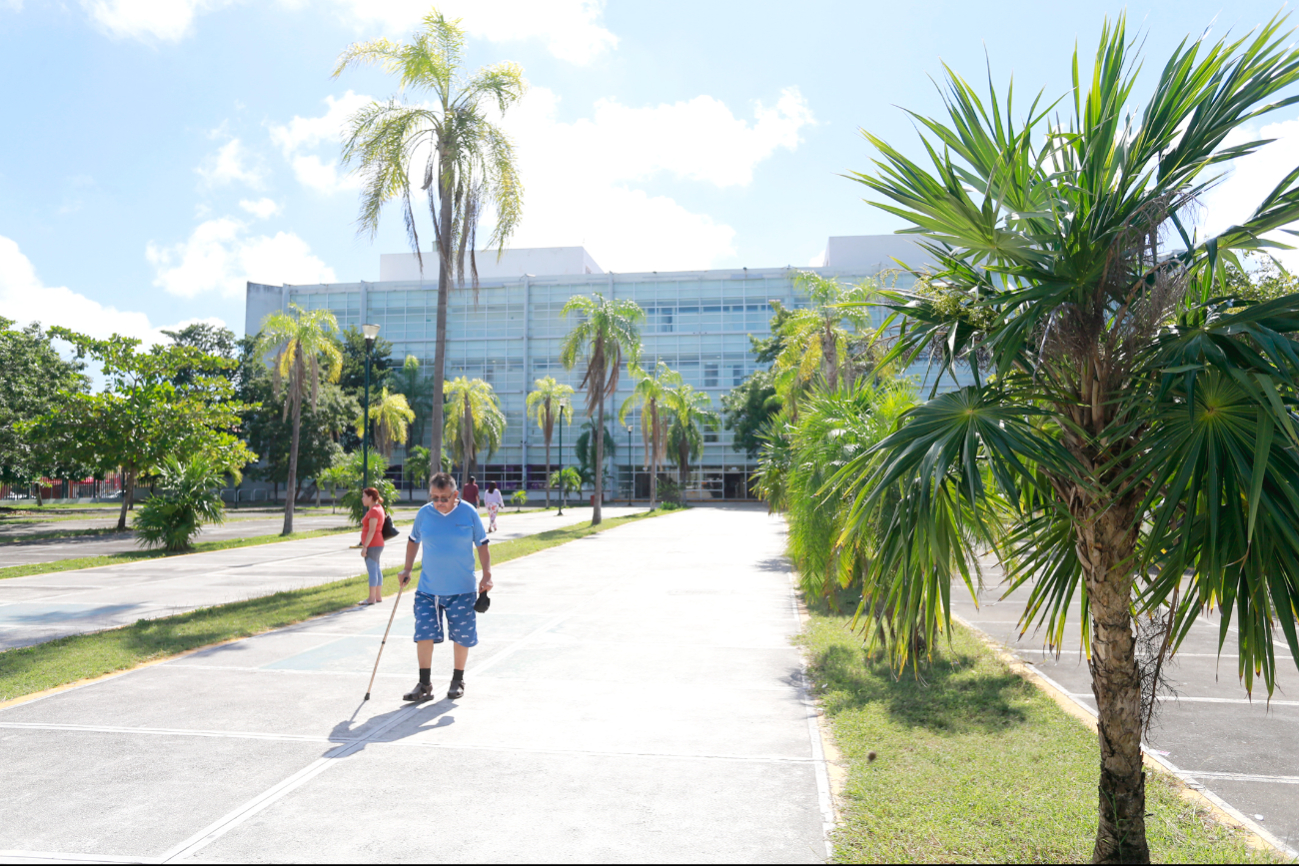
(450, 147)
(303, 351)
(474, 422)
(830, 339)
(1137, 428)
(687, 416)
(390, 418)
(409, 380)
(649, 395)
(608, 329)
(550, 401)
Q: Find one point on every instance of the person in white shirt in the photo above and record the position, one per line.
(495, 501)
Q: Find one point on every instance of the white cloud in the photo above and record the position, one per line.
(263, 208)
(230, 164)
(580, 178)
(1250, 181)
(572, 30)
(301, 135)
(220, 256)
(25, 299)
(166, 20)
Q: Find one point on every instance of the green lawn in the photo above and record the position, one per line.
(976, 765)
(33, 669)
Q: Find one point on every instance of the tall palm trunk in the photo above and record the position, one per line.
(290, 488)
(1106, 544)
(596, 515)
(547, 470)
(444, 291)
(683, 465)
(654, 452)
(466, 443)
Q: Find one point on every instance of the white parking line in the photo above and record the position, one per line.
(1239, 777)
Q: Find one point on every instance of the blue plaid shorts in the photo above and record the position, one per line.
(460, 614)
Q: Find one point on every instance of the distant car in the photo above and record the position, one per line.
(16, 495)
(116, 495)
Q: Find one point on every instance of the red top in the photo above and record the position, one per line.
(470, 493)
(375, 514)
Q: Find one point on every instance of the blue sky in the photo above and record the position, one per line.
(161, 152)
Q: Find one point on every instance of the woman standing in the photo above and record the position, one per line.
(494, 501)
(372, 542)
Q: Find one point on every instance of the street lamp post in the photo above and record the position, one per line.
(561, 461)
(631, 470)
(371, 332)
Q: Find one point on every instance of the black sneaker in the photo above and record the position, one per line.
(422, 692)
(457, 690)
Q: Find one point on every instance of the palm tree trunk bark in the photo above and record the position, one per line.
(547, 471)
(440, 350)
(290, 488)
(1106, 542)
(598, 433)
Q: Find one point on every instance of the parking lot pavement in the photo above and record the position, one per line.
(635, 697)
(43, 607)
(1242, 751)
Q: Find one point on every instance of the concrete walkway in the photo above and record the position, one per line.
(1243, 753)
(635, 698)
(47, 606)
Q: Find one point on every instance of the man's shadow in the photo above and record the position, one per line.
(425, 717)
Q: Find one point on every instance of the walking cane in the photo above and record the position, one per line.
(400, 587)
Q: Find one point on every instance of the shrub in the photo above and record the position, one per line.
(190, 497)
(519, 498)
(671, 494)
(352, 499)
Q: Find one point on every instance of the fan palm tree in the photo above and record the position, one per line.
(390, 418)
(474, 422)
(451, 148)
(608, 329)
(550, 401)
(305, 351)
(687, 416)
(649, 395)
(1138, 427)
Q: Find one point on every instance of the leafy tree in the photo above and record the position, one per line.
(143, 415)
(190, 497)
(34, 381)
(749, 410)
(351, 375)
(474, 423)
(346, 473)
(1136, 427)
(209, 339)
(606, 330)
(304, 355)
(687, 415)
(1266, 281)
(649, 395)
(452, 148)
(390, 417)
(550, 401)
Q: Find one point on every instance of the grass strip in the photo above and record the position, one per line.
(48, 534)
(65, 660)
(136, 555)
(976, 765)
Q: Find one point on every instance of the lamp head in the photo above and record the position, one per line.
(370, 331)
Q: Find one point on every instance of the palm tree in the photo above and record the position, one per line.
(650, 394)
(1138, 427)
(550, 401)
(607, 330)
(305, 351)
(390, 418)
(451, 148)
(687, 415)
(474, 422)
(815, 341)
(410, 381)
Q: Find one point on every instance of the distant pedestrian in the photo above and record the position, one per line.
(450, 531)
(372, 542)
(470, 493)
(494, 500)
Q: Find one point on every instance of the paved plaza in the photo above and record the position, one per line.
(1243, 752)
(47, 606)
(635, 698)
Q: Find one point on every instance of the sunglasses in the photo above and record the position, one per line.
(451, 498)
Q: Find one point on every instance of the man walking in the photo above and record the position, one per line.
(470, 493)
(449, 530)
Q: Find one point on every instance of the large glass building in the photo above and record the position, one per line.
(509, 333)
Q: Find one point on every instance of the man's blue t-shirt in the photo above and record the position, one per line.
(449, 541)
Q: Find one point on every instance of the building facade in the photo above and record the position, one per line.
(510, 330)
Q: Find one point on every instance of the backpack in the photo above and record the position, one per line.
(388, 531)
